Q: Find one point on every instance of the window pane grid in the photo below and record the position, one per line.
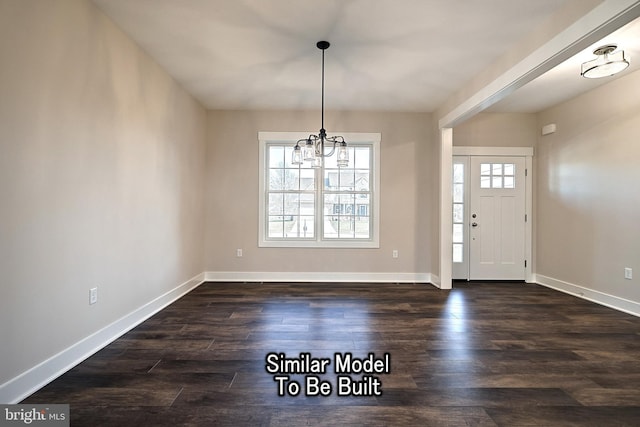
(346, 197)
(345, 194)
(347, 215)
(290, 196)
(497, 175)
(291, 214)
(458, 213)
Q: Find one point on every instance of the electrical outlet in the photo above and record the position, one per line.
(628, 273)
(239, 253)
(93, 296)
(394, 253)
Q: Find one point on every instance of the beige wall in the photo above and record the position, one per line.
(498, 130)
(588, 197)
(101, 178)
(407, 201)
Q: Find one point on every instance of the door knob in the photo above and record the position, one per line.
(474, 224)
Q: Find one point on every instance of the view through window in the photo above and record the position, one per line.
(326, 206)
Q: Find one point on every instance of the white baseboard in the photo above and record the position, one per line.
(255, 276)
(435, 281)
(611, 301)
(16, 389)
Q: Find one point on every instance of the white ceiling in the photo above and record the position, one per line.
(564, 81)
(385, 55)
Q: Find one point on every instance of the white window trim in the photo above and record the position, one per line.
(290, 138)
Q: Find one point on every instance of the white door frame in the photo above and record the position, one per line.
(527, 153)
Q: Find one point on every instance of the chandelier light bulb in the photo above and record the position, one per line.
(296, 157)
(309, 152)
(343, 155)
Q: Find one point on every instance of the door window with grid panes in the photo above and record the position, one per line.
(497, 175)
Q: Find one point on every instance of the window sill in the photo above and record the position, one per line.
(352, 244)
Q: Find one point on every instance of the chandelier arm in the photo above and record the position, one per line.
(335, 141)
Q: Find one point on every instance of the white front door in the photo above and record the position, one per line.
(497, 218)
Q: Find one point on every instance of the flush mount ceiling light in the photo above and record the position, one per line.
(606, 64)
(313, 150)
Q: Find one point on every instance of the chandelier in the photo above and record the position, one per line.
(313, 150)
(606, 64)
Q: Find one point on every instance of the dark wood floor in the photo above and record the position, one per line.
(482, 354)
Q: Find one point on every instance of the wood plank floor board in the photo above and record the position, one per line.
(117, 365)
(607, 396)
(482, 354)
(607, 381)
(412, 416)
(612, 416)
(478, 397)
(487, 380)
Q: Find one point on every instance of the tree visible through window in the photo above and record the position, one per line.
(291, 196)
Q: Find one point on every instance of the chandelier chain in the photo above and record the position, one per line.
(322, 115)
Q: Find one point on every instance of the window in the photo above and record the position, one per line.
(497, 175)
(290, 196)
(458, 212)
(301, 206)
